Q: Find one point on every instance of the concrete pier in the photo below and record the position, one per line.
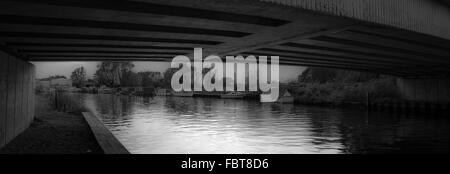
(16, 96)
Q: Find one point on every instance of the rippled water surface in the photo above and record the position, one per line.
(209, 125)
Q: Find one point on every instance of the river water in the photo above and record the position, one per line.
(210, 125)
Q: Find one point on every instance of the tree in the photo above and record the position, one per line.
(78, 77)
(167, 77)
(131, 79)
(111, 73)
(318, 75)
(323, 75)
(151, 79)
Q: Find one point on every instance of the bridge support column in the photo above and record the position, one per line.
(16, 96)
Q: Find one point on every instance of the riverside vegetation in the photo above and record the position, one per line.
(323, 86)
(315, 86)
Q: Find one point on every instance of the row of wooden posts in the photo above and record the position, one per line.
(408, 106)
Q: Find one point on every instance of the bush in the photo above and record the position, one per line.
(384, 90)
(381, 90)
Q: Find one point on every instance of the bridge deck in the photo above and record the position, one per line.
(351, 34)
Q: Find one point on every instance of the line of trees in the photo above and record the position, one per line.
(120, 74)
(114, 74)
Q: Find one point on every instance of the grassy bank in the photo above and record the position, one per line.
(54, 132)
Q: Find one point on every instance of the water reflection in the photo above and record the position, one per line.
(208, 125)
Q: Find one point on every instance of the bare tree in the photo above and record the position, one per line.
(78, 77)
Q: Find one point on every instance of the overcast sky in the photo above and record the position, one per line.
(46, 69)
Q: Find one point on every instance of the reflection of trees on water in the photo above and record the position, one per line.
(180, 104)
(324, 124)
(117, 106)
(247, 114)
(379, 132)
(198, 106)
(352, 130)
(146, 100)
(281, 108)
(114, 106)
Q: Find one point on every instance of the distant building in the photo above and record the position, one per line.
(58, 82)
(61, 82)
(51, 83)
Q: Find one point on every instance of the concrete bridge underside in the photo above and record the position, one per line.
(405, 38)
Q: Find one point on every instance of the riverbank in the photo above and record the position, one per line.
(344, 88)
(55, 133)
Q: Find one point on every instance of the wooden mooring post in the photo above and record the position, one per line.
(56, 99)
